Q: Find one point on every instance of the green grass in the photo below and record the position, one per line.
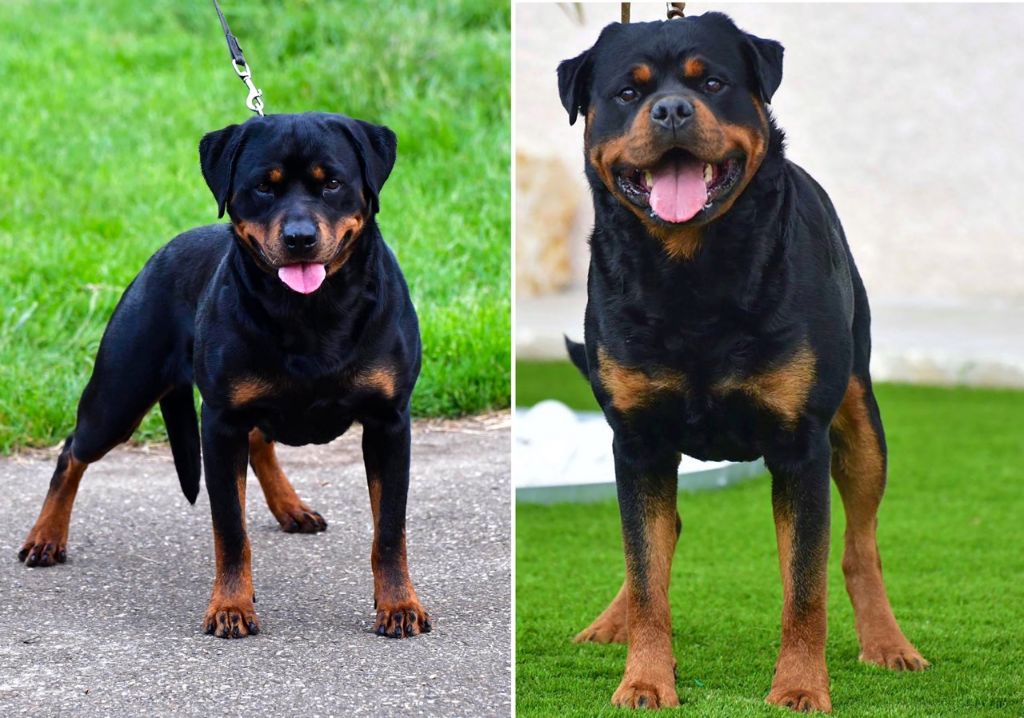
(104, 103)
(950, 532)
(539, 380)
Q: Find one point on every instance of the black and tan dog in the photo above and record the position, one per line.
(725, 320)
(294, 321)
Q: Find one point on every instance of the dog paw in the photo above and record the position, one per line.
(231, 619)
(403, 619)
(801, 700)
(603, 630)
(41, 550)
(640, 693)
(900, 656)
(300, 519)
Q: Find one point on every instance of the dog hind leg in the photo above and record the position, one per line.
(859, 470)
(294, 515)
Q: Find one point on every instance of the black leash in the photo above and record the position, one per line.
(255, 99)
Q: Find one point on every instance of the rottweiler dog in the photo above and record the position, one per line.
(294, 321)
(725, 320)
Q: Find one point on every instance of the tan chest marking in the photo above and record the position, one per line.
(631, 388)
(377, 378)
(783, 389)
(249, 389)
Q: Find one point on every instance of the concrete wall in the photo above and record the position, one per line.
(911, 116)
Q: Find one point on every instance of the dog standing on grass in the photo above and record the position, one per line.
(725, 320)
(294, 321)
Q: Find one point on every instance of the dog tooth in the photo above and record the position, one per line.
(709, 173)
(648, 178)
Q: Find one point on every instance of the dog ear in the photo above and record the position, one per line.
(574, 84)
(218, 153)
(765, 58)
(376, 147)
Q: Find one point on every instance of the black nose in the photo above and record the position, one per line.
(671, 112)
(299, 236)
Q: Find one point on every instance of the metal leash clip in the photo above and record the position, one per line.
(255, 99)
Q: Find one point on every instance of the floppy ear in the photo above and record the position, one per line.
(376, 147)
(765, 58)
(574, 84)
(218, 152)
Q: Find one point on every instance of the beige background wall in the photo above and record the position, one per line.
(911, 116)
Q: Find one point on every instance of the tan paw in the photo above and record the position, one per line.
(226, 618)
(638, 693)
(43, 548)
(801, 700)
(300, 519)
(901, 656)
(603, 630)
(403, 619)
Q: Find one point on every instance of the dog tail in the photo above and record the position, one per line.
(179, 413)
(578, 355)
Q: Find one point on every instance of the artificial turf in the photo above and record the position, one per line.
(104, 104)
(951, 532)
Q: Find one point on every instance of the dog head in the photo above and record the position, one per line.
(676, 124)
(299, 189)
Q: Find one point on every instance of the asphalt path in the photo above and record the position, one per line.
(116, 631)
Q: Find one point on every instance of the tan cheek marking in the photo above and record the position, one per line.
(693, 68)
(710, 141)
(718, 139)
(318, 173)
(632, 388)
(259, 234)
(343, 232)
(636, 147)
(782, 390)
(641, 74)
(249, 389)
(379, 378)
(276, 175)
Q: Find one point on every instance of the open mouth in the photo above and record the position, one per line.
(680, 186)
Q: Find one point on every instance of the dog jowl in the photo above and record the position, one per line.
(725, 319)
(294, 321)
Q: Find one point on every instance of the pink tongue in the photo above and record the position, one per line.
(678, 191)
(303, 278)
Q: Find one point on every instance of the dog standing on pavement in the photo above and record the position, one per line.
(294, 321)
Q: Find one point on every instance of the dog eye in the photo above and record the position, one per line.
(264, 188)
(713, 85)
(628, 94)
(331, 185)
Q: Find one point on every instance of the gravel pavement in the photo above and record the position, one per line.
(116, 630)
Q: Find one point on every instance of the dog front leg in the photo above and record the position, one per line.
(231, 613)
(647, 479)
(800, 502)
(386, 454)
